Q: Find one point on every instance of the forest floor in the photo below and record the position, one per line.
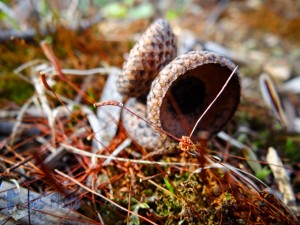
(52, 167)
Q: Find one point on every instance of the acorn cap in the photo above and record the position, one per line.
(155, 49)
(143, 133)
(184, 89)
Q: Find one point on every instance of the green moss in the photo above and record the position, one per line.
(14, 89)
(291, 149)
(263, 173)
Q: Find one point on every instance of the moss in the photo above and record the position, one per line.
(14, 89)
(199, 201)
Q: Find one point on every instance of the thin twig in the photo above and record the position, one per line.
(40, 90)
(210, 105)
(119, 149)
(89, 154)
(19, 119)
(119, 104)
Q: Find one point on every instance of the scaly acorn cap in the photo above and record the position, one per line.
(143, 133)
(184, 89)
(155, 49)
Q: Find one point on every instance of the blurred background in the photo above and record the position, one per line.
(264, 35)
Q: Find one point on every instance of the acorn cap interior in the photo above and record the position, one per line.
(191, 93)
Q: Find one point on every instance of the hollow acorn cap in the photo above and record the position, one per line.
(155, 49)
(184, 89)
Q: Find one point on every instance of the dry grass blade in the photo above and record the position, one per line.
(270, 96)
(282, 179)
(19, 119)
(88, 154)
(44, 103)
